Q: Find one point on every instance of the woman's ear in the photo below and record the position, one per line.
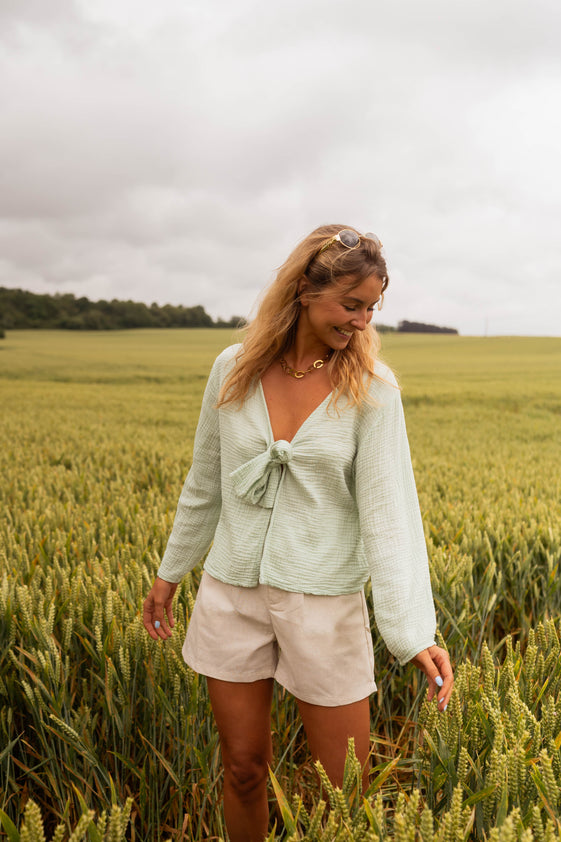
(303, 288)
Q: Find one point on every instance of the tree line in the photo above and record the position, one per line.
(20, 309)
(421, 327)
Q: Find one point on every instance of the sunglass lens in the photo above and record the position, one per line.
(371, 236)
(349, 238)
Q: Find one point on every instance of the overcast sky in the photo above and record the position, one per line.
(176, 151)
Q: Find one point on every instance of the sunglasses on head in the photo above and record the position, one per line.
(350, 239)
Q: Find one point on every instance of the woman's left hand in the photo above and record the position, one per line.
(435, 663)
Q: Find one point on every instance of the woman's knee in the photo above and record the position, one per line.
(246, 775)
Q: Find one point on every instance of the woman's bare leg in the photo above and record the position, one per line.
(243, 717)
(328, 730)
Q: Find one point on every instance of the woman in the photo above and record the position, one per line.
(302, 482)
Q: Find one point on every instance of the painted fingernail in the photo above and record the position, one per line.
(445, 707)
(157, 624)
(441, 700)
(438, 681)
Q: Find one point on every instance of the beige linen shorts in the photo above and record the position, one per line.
(318, 647)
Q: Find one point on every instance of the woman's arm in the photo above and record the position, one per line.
(198, 509)
(392, 532)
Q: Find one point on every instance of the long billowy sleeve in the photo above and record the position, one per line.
(392, 532)
(200, 502)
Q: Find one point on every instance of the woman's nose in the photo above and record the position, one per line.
(359, 321)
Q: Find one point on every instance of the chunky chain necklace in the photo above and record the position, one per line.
(293, 372)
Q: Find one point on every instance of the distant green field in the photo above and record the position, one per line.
(95, 441)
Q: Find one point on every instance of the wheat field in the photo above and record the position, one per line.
(107, 735)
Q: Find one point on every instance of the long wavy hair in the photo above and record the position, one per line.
(272, 332)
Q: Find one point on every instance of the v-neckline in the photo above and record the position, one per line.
(304, 422)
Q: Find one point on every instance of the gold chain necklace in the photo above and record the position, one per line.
(293, 372)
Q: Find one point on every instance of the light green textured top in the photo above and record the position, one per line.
(316, 515)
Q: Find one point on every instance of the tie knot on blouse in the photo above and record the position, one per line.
(257, 481)
(281, 452)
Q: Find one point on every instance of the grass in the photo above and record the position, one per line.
(95, 441)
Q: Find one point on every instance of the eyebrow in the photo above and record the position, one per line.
(359, 300)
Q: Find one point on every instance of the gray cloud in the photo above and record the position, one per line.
(177, 152)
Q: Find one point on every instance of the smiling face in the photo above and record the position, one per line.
(331, 319)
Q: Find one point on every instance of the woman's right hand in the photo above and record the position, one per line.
(157, 609)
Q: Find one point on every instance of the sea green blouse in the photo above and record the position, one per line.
(315, 515)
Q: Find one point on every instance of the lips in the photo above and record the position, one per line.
(346, 333)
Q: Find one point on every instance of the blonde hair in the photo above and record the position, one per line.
(273, 330)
